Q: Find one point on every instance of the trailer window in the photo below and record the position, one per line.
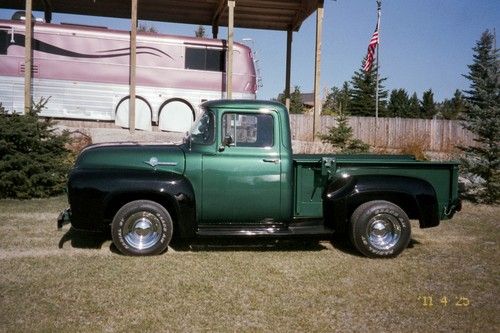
(4, 41)
(205, 59)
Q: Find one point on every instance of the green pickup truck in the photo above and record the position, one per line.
(235, 176)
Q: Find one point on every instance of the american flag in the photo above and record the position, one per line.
(371, 50)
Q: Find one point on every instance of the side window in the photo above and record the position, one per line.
(248, 130)
(204, 59)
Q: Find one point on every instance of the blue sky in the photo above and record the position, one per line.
(424, 43)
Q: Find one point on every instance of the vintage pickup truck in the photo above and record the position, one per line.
(235, 175)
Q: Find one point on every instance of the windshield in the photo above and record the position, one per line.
(202, 131)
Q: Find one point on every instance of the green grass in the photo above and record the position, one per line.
(65, 281)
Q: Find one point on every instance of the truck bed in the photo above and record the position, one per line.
(312, 173)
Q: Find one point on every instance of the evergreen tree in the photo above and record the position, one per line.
(482, 117)
(452, 108)
(200, 32)
(337, 99)
(147, 27)
(413, 107)
(330, 105)
(33, 159)
(363, 93)
(428, 106)
(399, 103)
(341, 136)
(296, 104)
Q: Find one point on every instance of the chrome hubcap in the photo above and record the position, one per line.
(384, 231)
(142, 230)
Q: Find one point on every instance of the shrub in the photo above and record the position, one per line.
(33, 157)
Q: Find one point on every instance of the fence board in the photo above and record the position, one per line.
(437, 135)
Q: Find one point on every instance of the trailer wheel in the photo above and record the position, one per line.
(142, 227)
(380, 229)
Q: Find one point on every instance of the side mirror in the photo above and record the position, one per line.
(228, 141)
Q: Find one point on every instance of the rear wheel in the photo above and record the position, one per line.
(380, 229)
(142, 227)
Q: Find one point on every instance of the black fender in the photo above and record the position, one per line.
(344, 194)
(95, 195)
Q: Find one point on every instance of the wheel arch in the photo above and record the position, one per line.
(172, 191)
(143, 119)
(137, 97)
(175, 99)
(119, 200)
(415, 196)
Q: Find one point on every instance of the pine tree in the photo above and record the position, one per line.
(337, 99)
(341, 136)
(452, 108)
(428, 106)
(296, 104)
(200, 31)
(33, 159)
(482, 117)
(413, 107)
(363, 90)
(399, 103)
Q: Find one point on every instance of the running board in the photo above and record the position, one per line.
(260, 231)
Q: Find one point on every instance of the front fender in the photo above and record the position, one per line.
(95, 195)
(415, 196)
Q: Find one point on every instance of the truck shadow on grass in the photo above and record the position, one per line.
(86, 240)
(96, 240)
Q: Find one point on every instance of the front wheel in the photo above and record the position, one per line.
(380, 229)
(142, 227)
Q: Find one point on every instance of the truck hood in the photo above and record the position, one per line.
(132, 156)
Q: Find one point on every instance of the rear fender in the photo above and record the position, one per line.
(345, 193)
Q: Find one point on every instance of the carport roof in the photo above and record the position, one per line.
(256, 14)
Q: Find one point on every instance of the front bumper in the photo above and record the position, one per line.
(64, 218)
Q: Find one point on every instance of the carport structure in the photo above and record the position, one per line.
(281, 15)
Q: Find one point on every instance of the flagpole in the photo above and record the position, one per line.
(379, 5)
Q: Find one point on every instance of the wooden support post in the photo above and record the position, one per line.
(288, 67)
(28, 59)
(317, 71)
(230, 38)
(132, 67)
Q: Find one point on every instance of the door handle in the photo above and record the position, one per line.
(271, 160)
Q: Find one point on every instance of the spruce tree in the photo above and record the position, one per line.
(399, 103)
(363, 90)
(452, 108)
(296, 104)
(200, 32)
(482, 117)
(33, 159)
(428, 106)
(413, 107)
(337, 99)
(341, 136)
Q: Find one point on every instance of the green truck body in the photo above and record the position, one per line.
(235, 175)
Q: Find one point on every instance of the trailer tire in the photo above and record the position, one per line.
(379, 229)
(142, 228)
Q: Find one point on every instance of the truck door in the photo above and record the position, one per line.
(241, 182)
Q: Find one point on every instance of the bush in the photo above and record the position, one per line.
(33, 158)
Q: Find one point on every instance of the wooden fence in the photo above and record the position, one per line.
(436, 135)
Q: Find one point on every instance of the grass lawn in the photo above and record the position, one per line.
(54, 280)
